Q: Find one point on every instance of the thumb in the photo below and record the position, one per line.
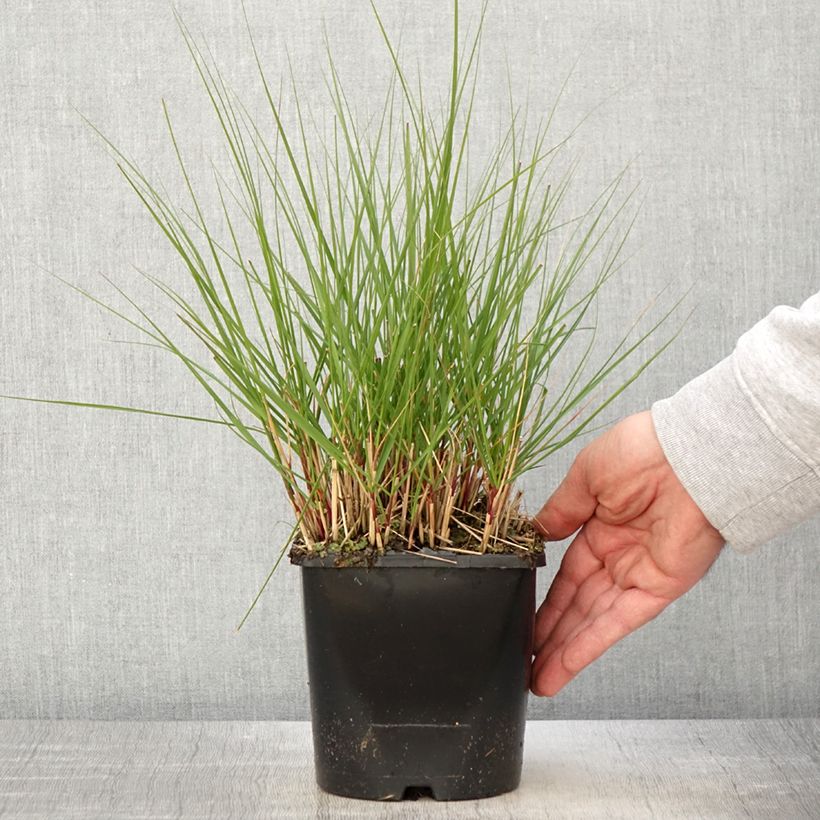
(571, 505)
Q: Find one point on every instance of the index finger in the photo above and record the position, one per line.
(571, 505)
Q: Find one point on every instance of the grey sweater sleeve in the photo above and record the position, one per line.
(744, 437)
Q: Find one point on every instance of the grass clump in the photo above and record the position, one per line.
(381, 322)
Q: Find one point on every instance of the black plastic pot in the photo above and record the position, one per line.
(419, 674)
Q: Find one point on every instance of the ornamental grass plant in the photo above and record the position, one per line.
(380, 314)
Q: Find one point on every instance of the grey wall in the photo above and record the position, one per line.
(129, 547)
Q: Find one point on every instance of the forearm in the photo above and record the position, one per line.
(744, 437)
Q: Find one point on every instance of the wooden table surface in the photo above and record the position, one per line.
(675, 768)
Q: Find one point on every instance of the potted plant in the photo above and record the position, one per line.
(385, 329)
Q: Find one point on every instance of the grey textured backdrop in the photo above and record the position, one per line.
(130, 546)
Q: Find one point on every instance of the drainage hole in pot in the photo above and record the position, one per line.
(415, 792)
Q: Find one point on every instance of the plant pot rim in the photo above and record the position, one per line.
(423, 559)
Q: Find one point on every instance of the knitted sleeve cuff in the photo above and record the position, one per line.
(747, 482)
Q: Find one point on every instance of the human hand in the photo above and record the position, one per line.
(643, 543)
